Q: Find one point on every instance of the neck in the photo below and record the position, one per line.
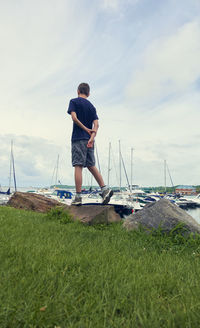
(82, 95)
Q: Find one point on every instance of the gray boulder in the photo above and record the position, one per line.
(162, 214)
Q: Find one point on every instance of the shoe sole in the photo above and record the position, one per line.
(107, 198)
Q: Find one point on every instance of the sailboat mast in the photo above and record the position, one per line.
(109, 163)
(170, 175)
(10, 165)
(56, 177)
(91, 181)
(13, 166)
(97, 158)
(125, 172)
(165, 182)
(52, 179)
(120, 173)
(131, 168)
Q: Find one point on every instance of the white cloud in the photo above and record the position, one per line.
(168, 67)
(111, 4)
(160, 117)
(35, 159)
(115, 5)
(42, 49)
(170, 132)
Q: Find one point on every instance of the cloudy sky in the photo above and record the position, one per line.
(141, 59)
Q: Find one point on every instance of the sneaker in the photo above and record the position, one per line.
(106, 195)
(77, 201)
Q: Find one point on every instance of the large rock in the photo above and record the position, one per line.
(163, 214)
(94, 214)
(32, 202)
(88, 214)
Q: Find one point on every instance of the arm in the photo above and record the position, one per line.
(95, 126)
(81, 125)
(93, 134)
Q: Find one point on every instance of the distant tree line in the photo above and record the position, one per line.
(169, 189)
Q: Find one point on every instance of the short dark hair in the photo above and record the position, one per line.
(84, 88)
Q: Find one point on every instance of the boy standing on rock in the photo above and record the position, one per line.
(85, 126)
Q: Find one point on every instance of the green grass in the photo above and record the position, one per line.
(94, 276)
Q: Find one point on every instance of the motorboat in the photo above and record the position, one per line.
(4, 198)
(185, 203)
(195, 200)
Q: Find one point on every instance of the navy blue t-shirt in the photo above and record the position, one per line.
(86, 113)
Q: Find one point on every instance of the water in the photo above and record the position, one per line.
(195, 213)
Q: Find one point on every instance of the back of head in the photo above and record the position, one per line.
(84, 89)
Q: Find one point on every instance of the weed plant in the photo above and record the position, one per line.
(69, 275)
(59, 214)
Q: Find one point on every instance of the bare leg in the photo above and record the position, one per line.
(78, 177)
(97, 175)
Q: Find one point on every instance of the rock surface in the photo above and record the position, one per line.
(94, 214)
(88, 214)
(32, 202)
(161, 214)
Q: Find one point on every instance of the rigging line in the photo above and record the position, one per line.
(131, 169)
(53, 175)
(165, 178)
(91, 180)
(88, 178)
(109, 169)
(10, 166)
(114, 163)
(13, 164)
(56, 177)
(97, 158)
(84, 177)
(125, 171)
(170, 175)
(120, 170)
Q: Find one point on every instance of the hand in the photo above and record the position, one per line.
(90, 143)
(90, 131)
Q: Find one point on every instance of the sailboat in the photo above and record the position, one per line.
(5, 192)
(5, 195)
(12, 171)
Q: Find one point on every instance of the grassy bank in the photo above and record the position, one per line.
(68, 275)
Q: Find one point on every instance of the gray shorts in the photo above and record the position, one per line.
(81, 155)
